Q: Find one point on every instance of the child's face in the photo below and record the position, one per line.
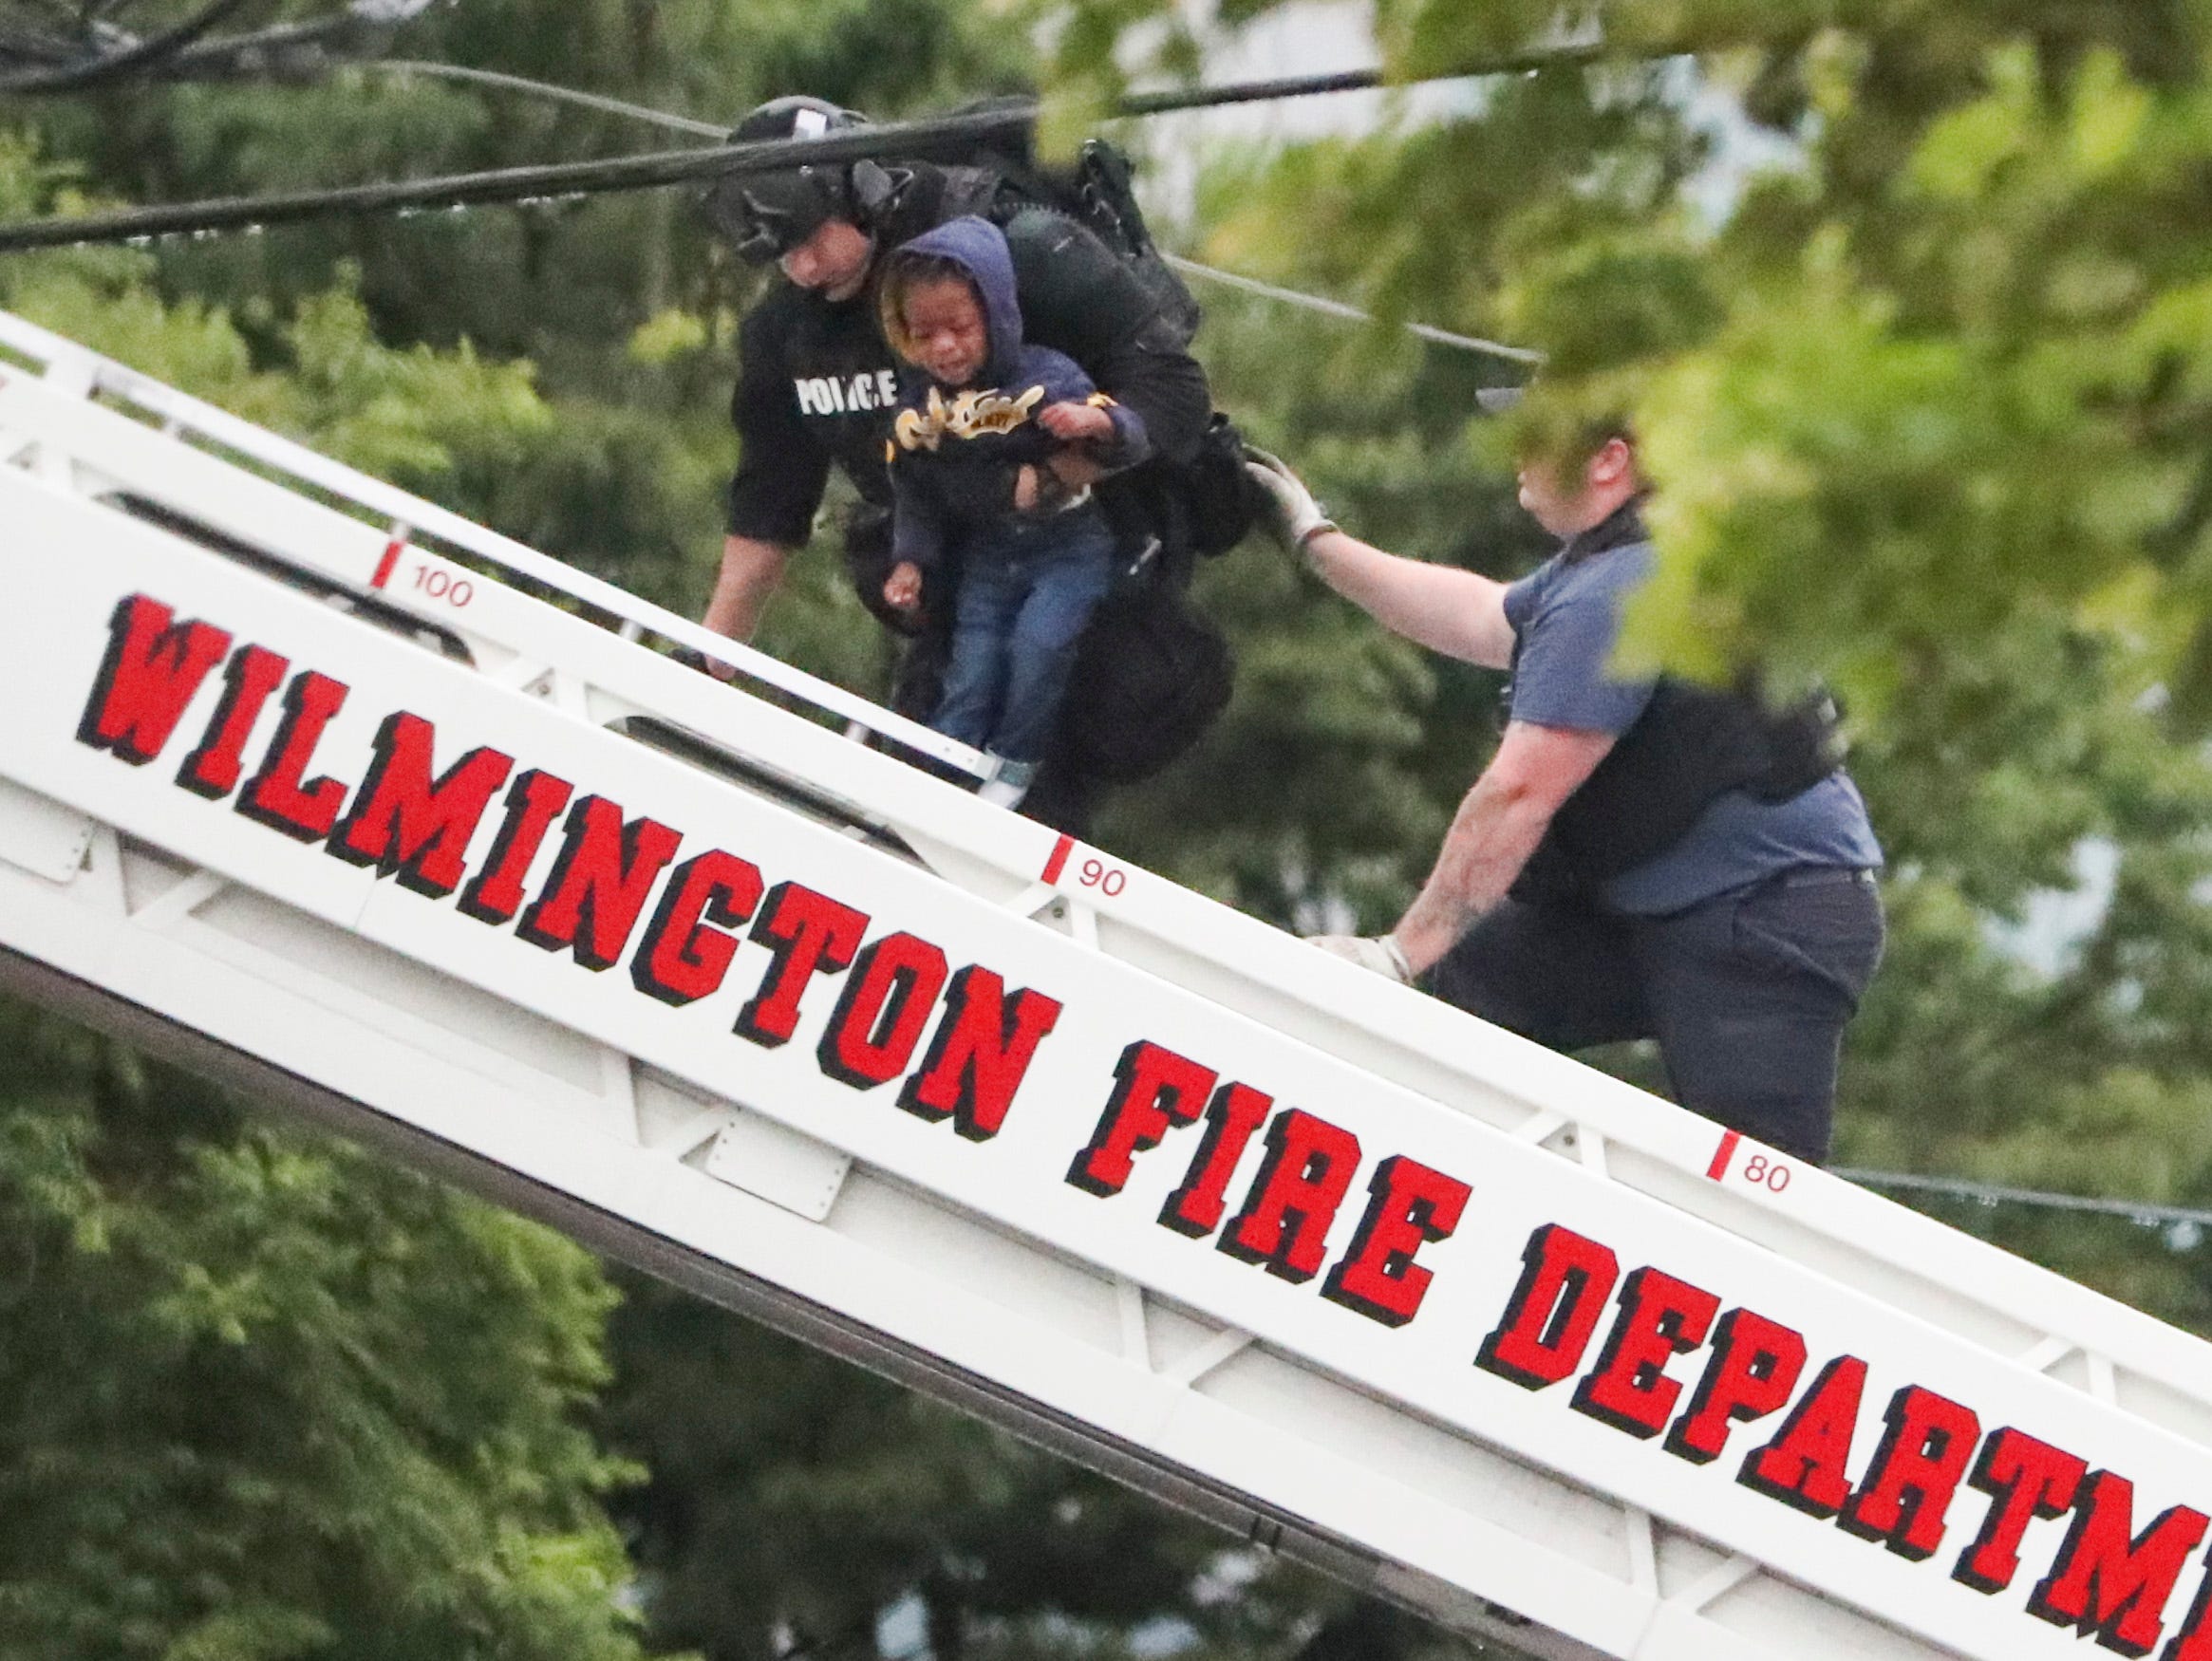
(947, 328)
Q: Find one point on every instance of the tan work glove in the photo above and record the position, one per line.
(1293, 517)
(1380, 953)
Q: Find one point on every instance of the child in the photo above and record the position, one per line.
(973, 489)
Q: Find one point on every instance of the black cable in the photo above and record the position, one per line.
(75, 77)
(889, 141)
(1174, 98)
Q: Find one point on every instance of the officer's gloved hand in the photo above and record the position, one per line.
(1291, 514)
(1381, 954)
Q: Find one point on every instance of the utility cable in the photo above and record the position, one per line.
(2136, 1211)
(546, 89)
(1316, 302)
(1443, 337)
(890, 141)
(72, 77)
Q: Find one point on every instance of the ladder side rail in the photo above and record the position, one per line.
(394, 505)
(1413, 1041)
(1117, 1000)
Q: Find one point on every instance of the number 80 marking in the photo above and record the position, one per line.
(1771, 1174)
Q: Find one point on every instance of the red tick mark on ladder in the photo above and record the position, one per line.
(386, 564)
(1723, 1155)
(1059, 861)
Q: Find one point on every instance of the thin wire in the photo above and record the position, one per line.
(1189, 267)
(1466, 343)
(1995, 1193)
(890, 141)
(70, 77)
(546, 89)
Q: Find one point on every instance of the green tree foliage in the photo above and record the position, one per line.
(262, 1396)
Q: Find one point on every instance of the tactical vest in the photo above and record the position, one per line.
(1692, 745)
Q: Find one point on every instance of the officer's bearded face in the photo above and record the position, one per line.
(833, 262)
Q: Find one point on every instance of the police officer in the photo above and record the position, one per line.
(816, 381)
(1641, 858)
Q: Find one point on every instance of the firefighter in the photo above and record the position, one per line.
(818, 383)
(1642, 858)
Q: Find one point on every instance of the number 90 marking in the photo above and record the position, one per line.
(1109, 879)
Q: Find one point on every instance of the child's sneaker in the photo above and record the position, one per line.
(1009, 783)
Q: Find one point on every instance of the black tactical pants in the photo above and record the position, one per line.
(1747, 994)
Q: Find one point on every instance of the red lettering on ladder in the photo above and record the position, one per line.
(280, 795)
(598, 883)
(1755, 1363)
(152, 666)
(1411, 1207)
(1308, 1168)
(1660, 1317)
(1803, 1466)
(1915, 1469)
(408, 826)
(878, 1020)
(980, 1054)
(2027, 1479)
(810, 934)
(495, 893)
(1155, 1090)
(687, 949)
(1566, 1278)
(252, 675)
(2110, 1586)
(1232, 1119)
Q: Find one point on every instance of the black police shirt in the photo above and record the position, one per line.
(816, 388)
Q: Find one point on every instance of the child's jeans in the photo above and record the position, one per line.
(1023, 601)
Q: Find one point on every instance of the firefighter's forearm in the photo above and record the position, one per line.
(1496, 829)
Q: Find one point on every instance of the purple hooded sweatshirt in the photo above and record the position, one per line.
(953, 450)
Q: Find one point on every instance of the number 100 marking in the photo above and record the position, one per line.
(439, 586)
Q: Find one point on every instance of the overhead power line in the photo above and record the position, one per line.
(2137, 1211)
(597, 100)
(123, 60)
(96, 54)
(1424, 331)
(1245, 93)
(1188, 267)
(889, 141)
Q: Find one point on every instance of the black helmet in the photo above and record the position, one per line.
(767, 214)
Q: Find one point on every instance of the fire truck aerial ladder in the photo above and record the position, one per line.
(392, 821)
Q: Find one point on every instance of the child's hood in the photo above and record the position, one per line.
(979, 247)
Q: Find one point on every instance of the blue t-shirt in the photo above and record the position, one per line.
(1566, 619)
